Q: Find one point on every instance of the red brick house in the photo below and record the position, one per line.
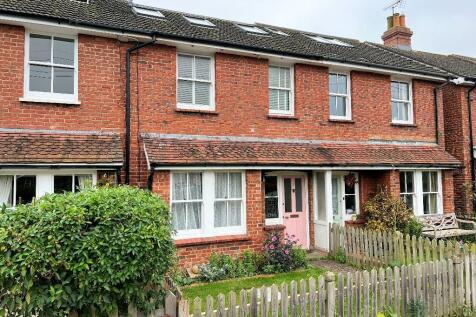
(241, 128)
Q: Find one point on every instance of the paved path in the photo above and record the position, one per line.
(319, 259)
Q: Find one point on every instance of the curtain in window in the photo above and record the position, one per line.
(228, 206)
(83, 181)
(6, 190)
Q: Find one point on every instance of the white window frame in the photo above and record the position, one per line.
(418, 189)
(45, 178)
(348, 97)
(199, 21)
(49, 97)
(193, 106)
(208, 229)
(291, 92)
(409, 101)
(406, 192)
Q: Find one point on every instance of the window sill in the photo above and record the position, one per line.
(335, 120)
(211, 240)
(50, 100)
(196, 111)
(274, 227)
(404, 125)
(282, 117)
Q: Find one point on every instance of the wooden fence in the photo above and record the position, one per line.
(369, 248)
(442, 287)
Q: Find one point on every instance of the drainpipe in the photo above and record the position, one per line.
(471, 140)
(435, 93)
(128, 106)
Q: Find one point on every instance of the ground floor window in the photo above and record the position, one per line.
(22, 187)
(422, 191)
(206, 204)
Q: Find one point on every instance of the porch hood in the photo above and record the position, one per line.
(177, 151)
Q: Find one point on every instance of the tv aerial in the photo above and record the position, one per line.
(394, 5)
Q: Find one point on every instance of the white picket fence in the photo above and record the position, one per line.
(442, 287)
(370, 248)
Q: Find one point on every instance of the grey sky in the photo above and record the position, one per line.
(440, 26)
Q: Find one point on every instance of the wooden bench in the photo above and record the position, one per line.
(445, 226)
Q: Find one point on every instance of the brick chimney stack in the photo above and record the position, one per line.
(398, 34)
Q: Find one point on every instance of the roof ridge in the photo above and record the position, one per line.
(387, 49)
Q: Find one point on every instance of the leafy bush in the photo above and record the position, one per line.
(282, 255)
(413, 227)
(223, 266)
(387, 312)
(417, 309)
(340, 256)
(96, 248)
(384, 212)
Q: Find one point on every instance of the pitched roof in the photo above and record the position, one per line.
(51, 148)
(199, 152)
(118, 15)
(455, 64)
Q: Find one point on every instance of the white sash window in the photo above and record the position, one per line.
(207, 204)
(281, 90)
(422, 191)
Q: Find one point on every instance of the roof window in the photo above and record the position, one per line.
(252, 29)
(199, 21)
(151, 12)
(326, 40)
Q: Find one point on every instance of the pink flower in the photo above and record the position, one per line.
(274, 238)
(286, 252)
(271, 247)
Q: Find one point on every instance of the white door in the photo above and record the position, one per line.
(345, 198)
(323, 206)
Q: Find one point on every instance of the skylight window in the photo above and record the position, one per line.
(148, 12)
(252, 29)
(325, 40)
(276, 31)
(199, 21)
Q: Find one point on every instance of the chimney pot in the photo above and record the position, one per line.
(397, 34)
(402, 20)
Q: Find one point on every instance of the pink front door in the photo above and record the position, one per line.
(295, 208)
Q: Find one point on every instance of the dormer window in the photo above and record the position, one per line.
(326, 40)
(147, 11)
(199, 21)
(252, 29)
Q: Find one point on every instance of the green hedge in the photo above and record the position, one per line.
(96, 248)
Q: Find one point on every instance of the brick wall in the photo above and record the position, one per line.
(457, 143)
(101, 87)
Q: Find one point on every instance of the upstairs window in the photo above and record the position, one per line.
(339, 96)
(51, 69)
(147, 11)
(402, 108)
(281, 90)
(195, 82)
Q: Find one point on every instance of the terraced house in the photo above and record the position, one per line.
(241, 128)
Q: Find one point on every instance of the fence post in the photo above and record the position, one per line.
(331, 294)
(170, 305)
(458, 270)
(183, 308)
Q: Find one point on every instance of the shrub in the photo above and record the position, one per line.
(413, 227)
(340, 256)
(98, 248)
(384, 212)
(282, 255)
(223, 266)
(416, 308)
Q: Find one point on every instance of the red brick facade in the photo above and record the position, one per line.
(241, 86)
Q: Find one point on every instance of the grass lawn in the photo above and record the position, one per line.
(236, 285)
